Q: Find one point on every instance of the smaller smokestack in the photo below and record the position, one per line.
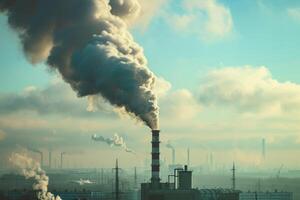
(188, 156)
(173, 156)
(135, 178)
(42, 159)
(117, 192)
(264, 149)
(50, 159)
(233, 176)
(61, 159)
(211, 161)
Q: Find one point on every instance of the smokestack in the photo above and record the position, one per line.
(117, 192)
(188, 156)
(42, 159)
(50, 159)
(264, 149)
(61, 159)
(135, 178)
(173, 156)
(233, 176)
(155, 158)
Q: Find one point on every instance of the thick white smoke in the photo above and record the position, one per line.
(31, 169)
(115, 141)
(87, 41)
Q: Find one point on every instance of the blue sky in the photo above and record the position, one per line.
(265, 36)
(260, 37)
(210, 52)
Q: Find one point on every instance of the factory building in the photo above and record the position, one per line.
(179, 185)
(266, 196)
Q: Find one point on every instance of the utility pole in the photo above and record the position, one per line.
(233, 176)
(117, 192)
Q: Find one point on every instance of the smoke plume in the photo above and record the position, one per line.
(88, 43)
(170, 146)
(34, 150)
(37, 151)
(115, 141)
(31, 169)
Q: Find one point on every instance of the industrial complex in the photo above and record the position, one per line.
(179, 182)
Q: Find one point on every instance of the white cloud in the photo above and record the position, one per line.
(294, 13)
(179, 105)
(207, 18)
(250, 90)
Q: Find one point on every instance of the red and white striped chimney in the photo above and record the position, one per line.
(155, 157)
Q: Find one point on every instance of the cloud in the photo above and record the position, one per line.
(250, 90)
(179, 105)
(56, 99)
(294, 13)
(207, 18)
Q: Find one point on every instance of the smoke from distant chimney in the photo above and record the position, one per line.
(88, 43)
(115, 141)
(39, 152)
(31, 169)
(170, 146)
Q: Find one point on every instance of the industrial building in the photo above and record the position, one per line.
(179, 185)
(266, 196)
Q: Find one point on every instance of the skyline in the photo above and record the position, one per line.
(227, 77)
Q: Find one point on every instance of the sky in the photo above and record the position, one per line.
(228, 76)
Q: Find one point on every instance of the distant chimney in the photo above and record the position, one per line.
(264, 149)
(61, 159)
(233, 176)
(50, 159)
(42, 159)
(155, 158)
(173, 156)
(188, 156)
